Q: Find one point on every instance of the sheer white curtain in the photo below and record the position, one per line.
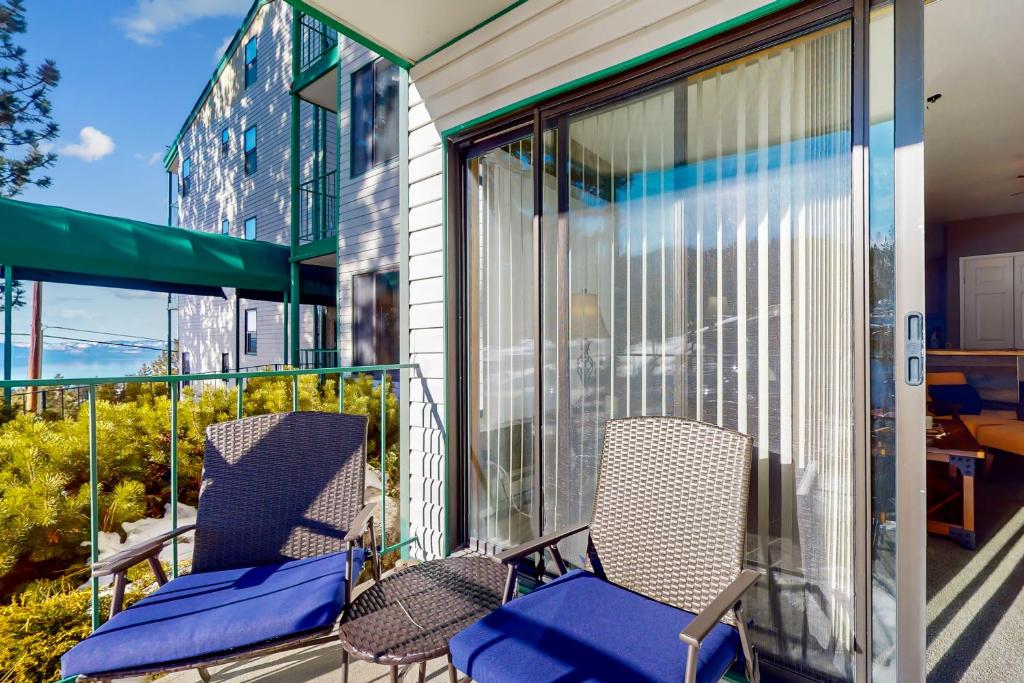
(709, 274)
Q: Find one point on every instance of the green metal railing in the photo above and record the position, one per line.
(318, 358)
(315, 40)
(175, 382)
(318, 208)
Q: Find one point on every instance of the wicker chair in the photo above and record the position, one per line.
(666, 547)
(278, 545)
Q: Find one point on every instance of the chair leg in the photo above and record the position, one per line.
(453, 676)
(344, 665)
(204, 674)
(423, 672)
(394, 674)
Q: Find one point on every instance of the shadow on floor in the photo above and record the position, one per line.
(975, 606)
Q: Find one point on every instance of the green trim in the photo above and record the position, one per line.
(350, 32)
(294, 170)
(445, 438)
(320, 247)
(403, 297)
(473, 29)
(200, 377)
(315, 71)
(250, 16)
(728, 25)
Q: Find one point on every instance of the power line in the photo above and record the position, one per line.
(94, 341)
(112, 334)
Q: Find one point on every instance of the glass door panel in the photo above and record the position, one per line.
(499, 218)
(702, 266)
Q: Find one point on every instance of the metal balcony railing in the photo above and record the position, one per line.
(315, 40)
(318, 358)
(318, 208)
(186, 393)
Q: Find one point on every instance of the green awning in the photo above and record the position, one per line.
(55, 244)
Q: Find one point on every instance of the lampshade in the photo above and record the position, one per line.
(587, 321)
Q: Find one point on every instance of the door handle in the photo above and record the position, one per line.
(913, 349)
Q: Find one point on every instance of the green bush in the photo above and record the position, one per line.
(46, 620)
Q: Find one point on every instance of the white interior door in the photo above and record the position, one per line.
(987, 302)
(1018, 300)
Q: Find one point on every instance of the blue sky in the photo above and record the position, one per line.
(130, 73)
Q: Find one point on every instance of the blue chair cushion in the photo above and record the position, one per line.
(963, 395)
(199, 615)
(581, 628)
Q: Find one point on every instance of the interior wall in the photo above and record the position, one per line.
(975, 237)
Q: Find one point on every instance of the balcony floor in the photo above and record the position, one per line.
(315, 664)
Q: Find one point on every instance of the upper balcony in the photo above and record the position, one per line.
(317, 57)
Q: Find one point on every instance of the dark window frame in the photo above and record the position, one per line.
(250, 335)
(245, 228)
(251, 68)
(376, 154)
(759, 34)
(225, 141)
(186, 177)
(375, 318)
(225, 227)
(250, 157)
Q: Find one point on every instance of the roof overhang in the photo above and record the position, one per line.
(406, 31)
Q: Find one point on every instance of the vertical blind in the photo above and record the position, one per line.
(701, 266)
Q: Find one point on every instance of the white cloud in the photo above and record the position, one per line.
(149, 159)
(150, 18)
(220, 49)
(92, 144)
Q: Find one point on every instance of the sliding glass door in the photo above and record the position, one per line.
(693, 247)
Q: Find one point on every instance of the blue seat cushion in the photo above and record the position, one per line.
(200, 615)
(962, 395)
(581, 628)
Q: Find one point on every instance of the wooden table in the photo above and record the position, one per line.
(954, 445)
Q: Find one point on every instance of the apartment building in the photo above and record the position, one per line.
(313, 168)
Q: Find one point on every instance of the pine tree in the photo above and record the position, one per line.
(27, 128)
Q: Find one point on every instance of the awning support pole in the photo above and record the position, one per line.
(238, 346)
(284, 317)
(8, 332)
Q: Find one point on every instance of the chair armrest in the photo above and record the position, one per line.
(698, 629)
(536, 545)
(137, 553)
(360, 523)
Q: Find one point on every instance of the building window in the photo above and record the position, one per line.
(250, 228)
(225, 141)
(186, 363)
(250, 331)
(186, 177)
(250, 150)
(225, 362)
(374, 115)
(375, 319)
(250, 62)
(225, 226)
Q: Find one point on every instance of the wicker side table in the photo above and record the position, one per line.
(408, 617)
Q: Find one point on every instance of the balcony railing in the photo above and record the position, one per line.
(318, 358)
(315, 40)
(204, 398)
(318, 208)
